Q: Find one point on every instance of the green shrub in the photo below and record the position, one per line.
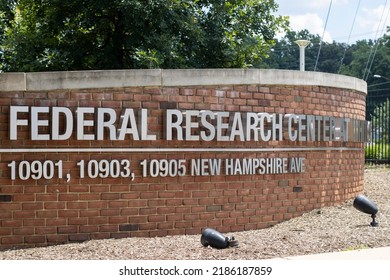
(377, 151)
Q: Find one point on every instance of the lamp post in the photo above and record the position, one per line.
(379, 77)
(302, 45)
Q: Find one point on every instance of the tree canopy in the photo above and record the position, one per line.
(47, 35)
(285, 53)
(52, 35)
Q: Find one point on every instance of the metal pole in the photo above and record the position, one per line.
(301, 58)
(302, 45)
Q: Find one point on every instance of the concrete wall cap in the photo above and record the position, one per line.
(38, 81)
(12, 82)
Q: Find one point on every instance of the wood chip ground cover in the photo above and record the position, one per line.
(329, 229)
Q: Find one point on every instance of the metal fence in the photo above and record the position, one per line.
(378, 113)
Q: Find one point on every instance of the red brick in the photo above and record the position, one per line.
(55, 211)
(35, 239)
(57, 239)
(13, 240)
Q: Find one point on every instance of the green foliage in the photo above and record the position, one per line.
(285, 54)
(6, 16)
(380, 121)
(50, 35)
(379, 151)
(334, 57)
(116, 34)
(357, 247)
(361, 51)
(362, 66)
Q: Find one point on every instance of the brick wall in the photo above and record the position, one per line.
(39, 212)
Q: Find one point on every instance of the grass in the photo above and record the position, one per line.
(357, 247)
(377, 151)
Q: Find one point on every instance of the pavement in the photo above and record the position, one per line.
(382, 253)
(359, 264)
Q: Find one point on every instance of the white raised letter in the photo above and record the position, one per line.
(127, 117)
(292, 134)
(170, 125)
(252, 122)
(264, 136)
(15, 122)
(221, 126)
(237, 128)
(190, 125)
(207, 125)
(36, 123)
(55, 126)
(143, 123)
(81, 123)
(101, 123)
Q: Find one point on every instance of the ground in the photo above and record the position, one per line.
(329, 229)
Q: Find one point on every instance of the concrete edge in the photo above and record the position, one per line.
(92, 79)
(12, 82)
(38, 81)
(381, 253)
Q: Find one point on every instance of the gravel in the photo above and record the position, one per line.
(329, 229)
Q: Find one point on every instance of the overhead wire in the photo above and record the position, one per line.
(371, 56)
(373, 50)
(378, 42)
(349, 36)
(323, 34)
(378, 84)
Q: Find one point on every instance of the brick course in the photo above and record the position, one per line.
(45, 212)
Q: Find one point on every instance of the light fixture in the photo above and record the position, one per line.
(380, 77)
(216, 239)
(302, 45)
(365, 205)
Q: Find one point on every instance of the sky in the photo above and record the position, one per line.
(348, 21)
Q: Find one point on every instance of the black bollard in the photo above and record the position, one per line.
(365, 205)
(215, 239)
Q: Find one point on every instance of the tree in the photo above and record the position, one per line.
(285, 53)
(97, 34)
(361, 53)
(6, 16)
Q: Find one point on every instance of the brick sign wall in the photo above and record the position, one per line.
(144, 153)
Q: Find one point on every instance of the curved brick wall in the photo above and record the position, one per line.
(209, 174)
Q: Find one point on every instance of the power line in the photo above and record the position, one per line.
(378, 84)
(322, 38)
(366, 69)
(379, 90)
(349, 36)
(376, 48)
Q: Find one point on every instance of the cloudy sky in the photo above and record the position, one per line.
(372, 18)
